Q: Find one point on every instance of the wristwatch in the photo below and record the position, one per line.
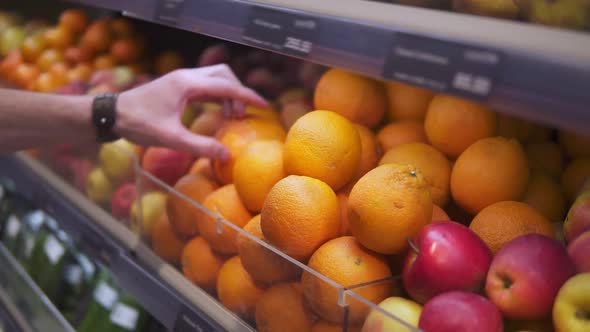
(104, 116)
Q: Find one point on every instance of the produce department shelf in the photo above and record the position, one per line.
(528, 70)
(24, 301)
(161, 290)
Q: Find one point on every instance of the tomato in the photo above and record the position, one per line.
(25, 74)
(48, 57)
(81, 72)
(32, 47)
(59, 37)
(74, 20)
(104, 62)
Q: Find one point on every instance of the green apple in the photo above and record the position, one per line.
(146, 212)
(99, 188)
(571, 309)
(404, 309)
(117, 159)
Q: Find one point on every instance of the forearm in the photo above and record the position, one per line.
(36, 120)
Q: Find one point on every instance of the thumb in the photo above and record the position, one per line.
(202, 146)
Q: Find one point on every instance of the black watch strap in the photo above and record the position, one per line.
(104, 116)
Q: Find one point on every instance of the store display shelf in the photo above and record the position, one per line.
(161, 289)
(523, 69)
(24, 301)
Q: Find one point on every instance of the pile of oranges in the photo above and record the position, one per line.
(342, 189)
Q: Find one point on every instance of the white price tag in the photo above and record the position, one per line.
(13, 226)
(124, 316)
(105, 295)
(29, 245)
(53, 249)
(74, 274)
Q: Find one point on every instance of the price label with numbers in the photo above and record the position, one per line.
(167, 11)
(281, 31)
(442, 66)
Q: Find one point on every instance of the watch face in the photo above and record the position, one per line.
(104, 116)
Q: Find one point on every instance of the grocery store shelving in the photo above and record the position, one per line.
(24, 301)
(528, 70)
(159, 287)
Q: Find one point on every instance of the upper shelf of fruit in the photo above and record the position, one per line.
(538, 69)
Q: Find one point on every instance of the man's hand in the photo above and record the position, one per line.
(151, 114)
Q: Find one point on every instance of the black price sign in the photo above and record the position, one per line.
(280, 31)
(189, 321)
(167, 11)
(442, 66)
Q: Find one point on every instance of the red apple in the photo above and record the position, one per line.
(122, 200)
(81, 169)
(578, 217)
(459, 311)
(166, 164)
(579, 250)
(445, 256)
(526, 275)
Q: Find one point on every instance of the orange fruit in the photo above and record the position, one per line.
(202, 166)
(344, 261)
(74, 20)
(200, 264)
(97, 36)
(48, 57)
(325, 326)
(546, 157)
(182, 212)
(388, 205)
(104, 61)
(325, 146)
(398, 133)
(453, 124)
(281, 308)
(503, 221)
(491, 170)
(126, 50)
(438, 214)
(236, 135)
(236, 289)
(225, 203)
(370, 151)
(263, 264)
(59, 37)
(344, 220)
(257, 170)
(407, 102)
(434, 166)
(509, 126)
(165, 242)
(168, 61)
(360, 99)
(575, 145)
(299, 215)
(544, 194)
(574, 176)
